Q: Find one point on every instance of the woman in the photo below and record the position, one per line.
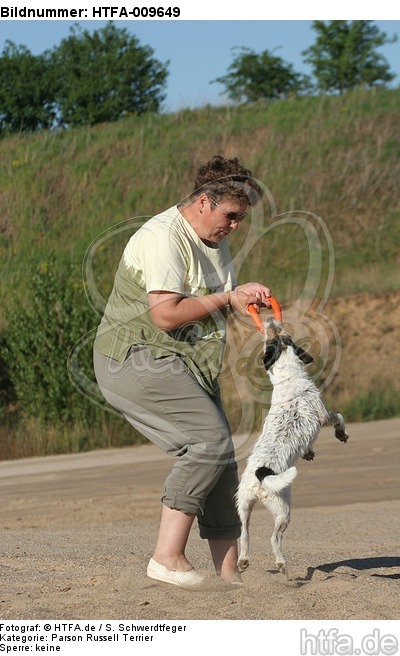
(158, 353)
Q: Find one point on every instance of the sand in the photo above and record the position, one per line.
(78, 530)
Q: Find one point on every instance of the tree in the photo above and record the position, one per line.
(261, 76)
(345, 55)
(106, 75)
(26, 90)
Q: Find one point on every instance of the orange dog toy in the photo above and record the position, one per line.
(276, 308)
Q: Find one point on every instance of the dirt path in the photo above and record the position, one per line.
(77, 532)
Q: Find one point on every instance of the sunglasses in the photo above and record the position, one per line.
(231, 216)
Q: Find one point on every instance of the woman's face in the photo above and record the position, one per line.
(219, 219)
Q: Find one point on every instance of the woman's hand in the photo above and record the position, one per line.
(251, 293)
(256, 293)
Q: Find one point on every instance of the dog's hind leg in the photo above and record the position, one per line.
(245, 505)
(279, 505)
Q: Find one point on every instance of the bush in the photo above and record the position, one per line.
(38, 340)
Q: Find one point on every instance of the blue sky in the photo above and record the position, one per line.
(198, 50)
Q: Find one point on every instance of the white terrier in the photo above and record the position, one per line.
(291, 427)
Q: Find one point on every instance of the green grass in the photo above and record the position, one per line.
(27, 438)
(379, 402)
(335, 157)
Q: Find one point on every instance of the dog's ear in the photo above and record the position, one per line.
(305, 357)
(272, 353)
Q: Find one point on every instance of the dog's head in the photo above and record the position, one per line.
(277, 341)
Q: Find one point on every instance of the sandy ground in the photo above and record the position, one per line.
(78, 530)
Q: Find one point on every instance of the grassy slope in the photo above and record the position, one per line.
(336, 158)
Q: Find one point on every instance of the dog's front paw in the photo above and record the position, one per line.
(341, 434)
(308, 455)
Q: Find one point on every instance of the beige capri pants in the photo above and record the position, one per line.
(162, 399)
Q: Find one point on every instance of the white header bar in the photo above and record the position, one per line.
(172, 10)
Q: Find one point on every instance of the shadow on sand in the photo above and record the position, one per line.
(359, 564)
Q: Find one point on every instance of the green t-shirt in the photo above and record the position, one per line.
(166, 254)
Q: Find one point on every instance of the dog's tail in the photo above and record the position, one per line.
(275, 482)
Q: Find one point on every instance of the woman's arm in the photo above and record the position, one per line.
(170, 310)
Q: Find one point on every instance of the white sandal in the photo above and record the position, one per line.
(159, 572)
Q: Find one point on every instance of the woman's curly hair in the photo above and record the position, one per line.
(223, 178)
